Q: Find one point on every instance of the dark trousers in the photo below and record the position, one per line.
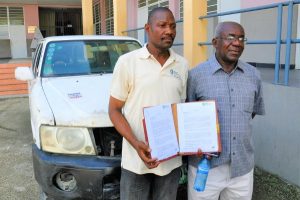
(149, 186)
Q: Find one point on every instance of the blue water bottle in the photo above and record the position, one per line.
(201, 176)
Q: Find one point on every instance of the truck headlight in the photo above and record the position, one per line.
(68, 140)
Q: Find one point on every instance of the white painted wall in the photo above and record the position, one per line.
(229, 5)
(277, 134)
(297, 57)
(18, 41)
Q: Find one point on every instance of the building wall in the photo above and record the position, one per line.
(179, 39)
(297, 60)
(132, 7)
(254, 3)
(102, 13)
(5, 48)
(224, 6)
(262, 25)
(18, 44)
(296, 25)
(277, 134)
(14, 41)
(31, 19)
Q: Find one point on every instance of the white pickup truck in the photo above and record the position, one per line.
(76, 151)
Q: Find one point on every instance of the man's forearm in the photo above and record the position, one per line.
(123, 127)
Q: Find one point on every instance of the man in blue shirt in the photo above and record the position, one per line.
(236, 87)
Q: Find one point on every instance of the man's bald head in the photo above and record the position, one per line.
(221, 27)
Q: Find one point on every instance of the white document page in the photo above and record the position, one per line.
(197, 126)
(161, 131)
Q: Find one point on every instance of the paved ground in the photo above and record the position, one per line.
(16, 173)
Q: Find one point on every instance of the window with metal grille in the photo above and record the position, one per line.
(141, 3)
(15, 16)
(164, 4)
(152, 1)
(96, 15)
(212, 6)
(157, 3)
(109, 14)
(97, 18)
(181, 9)
(109, 26)
(152, 7)
(3, 16)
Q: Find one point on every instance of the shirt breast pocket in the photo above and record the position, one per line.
(248, 99)
(247, 103)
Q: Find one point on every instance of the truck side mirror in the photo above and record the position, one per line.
(24, 74)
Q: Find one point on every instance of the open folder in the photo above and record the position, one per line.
(182, 128)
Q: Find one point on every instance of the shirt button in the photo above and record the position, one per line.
(233, 105)
(233, 153)
(231, 90)
(234, 138)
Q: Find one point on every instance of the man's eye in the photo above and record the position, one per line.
(230, 38)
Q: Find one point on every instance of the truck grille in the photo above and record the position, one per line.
(108, 141)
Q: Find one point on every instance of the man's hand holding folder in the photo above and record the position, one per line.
(144, 152)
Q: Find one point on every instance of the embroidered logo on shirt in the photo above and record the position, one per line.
(175, 74)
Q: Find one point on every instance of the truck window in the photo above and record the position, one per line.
(65, 58)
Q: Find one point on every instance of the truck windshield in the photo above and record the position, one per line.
(66, 58)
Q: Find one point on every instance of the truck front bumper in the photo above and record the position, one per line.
(76, 176)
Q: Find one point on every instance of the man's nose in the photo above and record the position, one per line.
(170, 30)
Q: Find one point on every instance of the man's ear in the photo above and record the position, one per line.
(214, 42)
(147, 27)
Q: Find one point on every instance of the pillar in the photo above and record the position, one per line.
(87, 17)
(195, 30)
(120, 17)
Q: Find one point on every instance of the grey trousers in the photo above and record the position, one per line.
(149, 186)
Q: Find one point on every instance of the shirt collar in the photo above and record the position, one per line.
(215, 65)
(145, 54)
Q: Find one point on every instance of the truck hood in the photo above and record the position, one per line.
(79, 100)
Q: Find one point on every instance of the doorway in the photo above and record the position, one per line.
(60, 21)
